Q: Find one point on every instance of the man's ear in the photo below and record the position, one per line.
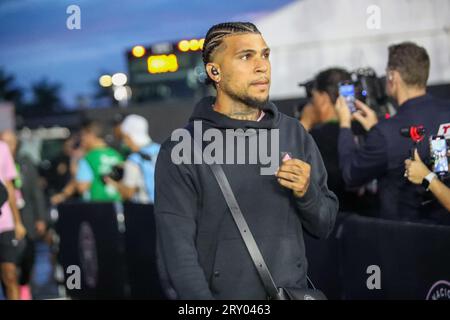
(213, 71)
(396, 80)
(390, 76)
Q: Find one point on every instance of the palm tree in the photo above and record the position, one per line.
(46, 97)
(8, 90)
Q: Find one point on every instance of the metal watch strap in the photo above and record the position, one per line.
(428, 178)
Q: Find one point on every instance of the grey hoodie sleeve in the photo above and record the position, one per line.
(319, 206)
(176, 206)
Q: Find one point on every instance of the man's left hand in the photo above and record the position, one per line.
(294, 174)
(415, 170)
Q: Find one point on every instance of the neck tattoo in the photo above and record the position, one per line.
(247, 114)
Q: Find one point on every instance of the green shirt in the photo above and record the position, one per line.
(101, 161)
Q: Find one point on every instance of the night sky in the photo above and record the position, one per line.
(36, 44)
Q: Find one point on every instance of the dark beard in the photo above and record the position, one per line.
(249, 101)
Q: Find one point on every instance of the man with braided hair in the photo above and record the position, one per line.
(200, 251)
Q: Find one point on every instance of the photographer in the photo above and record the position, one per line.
(384, 151)
(417, 172)
(138, 183)
(319, 118)
(95, 165)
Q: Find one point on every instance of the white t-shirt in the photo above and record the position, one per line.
(133, 178)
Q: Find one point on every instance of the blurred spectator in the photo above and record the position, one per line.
(324, 92)
(11, 228)
(31, 203)
(418, 173)
(384, 151)
(59, 173)
(99, 161)
(320, 119)
(138, 183)
(62, 173)
(309, 117)
(69, 191)
(118, 142)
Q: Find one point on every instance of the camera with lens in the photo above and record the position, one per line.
(116, 173)
(371, 90)
(368, 88)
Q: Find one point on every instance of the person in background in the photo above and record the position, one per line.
(138, 183)
(319, 118)
(320, 110)
(62, 175)
(31, 204)
(384, 151)
(418, 173)
(12, 229)
(99, 161)
(118, 141)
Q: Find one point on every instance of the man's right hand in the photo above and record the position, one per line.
(365, 115)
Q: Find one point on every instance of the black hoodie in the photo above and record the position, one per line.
(202, 253)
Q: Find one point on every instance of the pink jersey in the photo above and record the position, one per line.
(7, 173)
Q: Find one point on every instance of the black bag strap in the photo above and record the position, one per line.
(246, 234)
(252, 247)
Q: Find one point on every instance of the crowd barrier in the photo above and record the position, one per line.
(369, 258)
(113, 245)
(365, 258)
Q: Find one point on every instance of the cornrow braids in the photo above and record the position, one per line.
(215, 35)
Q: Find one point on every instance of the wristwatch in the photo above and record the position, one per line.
(427, 180)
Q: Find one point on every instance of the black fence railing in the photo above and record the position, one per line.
(365, 258)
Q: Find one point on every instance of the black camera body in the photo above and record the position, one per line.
(368, 88)
(371, 90)
(116, 173)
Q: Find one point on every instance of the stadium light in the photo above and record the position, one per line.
(105, 81)
(138, 51)
(162, 63)
(194, 45)
(119, 79)
(183, 45)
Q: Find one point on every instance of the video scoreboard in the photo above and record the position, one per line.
(166, 71)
